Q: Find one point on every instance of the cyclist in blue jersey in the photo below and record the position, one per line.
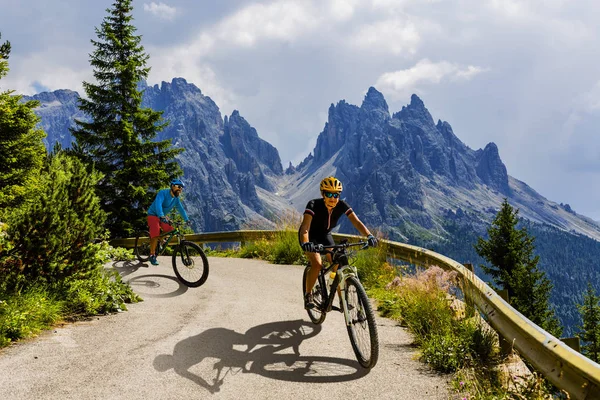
(320, 217)
(165, 201)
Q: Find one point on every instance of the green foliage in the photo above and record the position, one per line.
(52, 237)
(256, 249)
(100, 292)
(26, 314)
(449, 339)
(107, 252)
(21, 145)
(590, 328)
(514, 267)
(286, 250)
(282, 249)
(373, 269)
(118, 142)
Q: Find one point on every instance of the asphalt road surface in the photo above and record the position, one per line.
(242, 335)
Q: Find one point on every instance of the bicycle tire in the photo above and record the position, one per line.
(142, 246)
(362, 324)
(190, 264)
(315, 314)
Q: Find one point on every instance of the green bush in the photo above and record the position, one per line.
(284, 249)
(53, 236)
(373, 269)
(101, 292)
(26, 314)
(257, 249)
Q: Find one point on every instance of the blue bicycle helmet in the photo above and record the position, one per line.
(177, 182)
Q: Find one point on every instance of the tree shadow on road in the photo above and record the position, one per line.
(271, 350)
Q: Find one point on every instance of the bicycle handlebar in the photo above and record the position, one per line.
(325, 249)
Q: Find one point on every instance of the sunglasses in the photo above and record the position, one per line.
(330, 195)
(178, 186)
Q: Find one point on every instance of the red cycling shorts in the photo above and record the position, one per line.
(155, 225)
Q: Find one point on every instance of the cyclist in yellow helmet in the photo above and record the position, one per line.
(320, 217)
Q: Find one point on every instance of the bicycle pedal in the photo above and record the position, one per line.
(336, 308)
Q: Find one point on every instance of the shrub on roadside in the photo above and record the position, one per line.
(284, 249)
(26, 314)
(53, 237)
(100, 292)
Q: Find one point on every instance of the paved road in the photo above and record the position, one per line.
(243, 334)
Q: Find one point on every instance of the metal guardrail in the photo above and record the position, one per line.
(561, 365)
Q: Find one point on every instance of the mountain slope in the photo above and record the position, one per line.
(224, 160)
(404, 172)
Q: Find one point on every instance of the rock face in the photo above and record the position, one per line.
(250, 153)
(223, 162)
(402, 173)
(57, 111)
(405, 173)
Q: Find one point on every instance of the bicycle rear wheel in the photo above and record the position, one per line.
(190, 264)
(315, 314)
(142, 246)
(362, 329)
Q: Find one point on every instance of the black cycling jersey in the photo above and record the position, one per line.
(322, 222)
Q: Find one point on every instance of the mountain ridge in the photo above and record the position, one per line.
(397, 168)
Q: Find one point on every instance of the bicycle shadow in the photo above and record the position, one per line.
(261, 356)
(126, 268)
(149, 285)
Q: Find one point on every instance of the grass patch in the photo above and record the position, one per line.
(281, 249)
(29, 308)
(452, 338)
(26, 314)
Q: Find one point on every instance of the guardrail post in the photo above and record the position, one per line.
(506, 347)
(572, 342)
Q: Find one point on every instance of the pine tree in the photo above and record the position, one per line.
(514, 268)
(53, 236)
(590, 330)
(22, 150)
(118, 140)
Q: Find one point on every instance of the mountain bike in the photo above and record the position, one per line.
(189, 261)
(342, 278)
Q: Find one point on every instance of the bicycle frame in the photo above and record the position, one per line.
(339, 282)
(165, 238)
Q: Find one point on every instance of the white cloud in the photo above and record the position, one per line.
(161, 10)
(283, 20)
(48, 71)
(342, 10)
(400, 82)
(394, 35)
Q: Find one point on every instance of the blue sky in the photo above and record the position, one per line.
(523, 74)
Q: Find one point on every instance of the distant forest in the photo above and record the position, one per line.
(569, 260)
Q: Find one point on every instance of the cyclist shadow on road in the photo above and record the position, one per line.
(125, 268)
(262, 355)
(149, 285)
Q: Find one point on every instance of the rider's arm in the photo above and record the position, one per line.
(181, 210)
(358, 224)
(304, 227)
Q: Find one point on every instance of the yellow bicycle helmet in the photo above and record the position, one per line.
(331, 184)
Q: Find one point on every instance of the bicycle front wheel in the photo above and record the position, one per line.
(142, 246)
(362, 328)
(190, 264)
(315, 314)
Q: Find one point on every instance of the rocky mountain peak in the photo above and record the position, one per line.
(491, 170)
(250, 153)
(374, 101)
(64, 96)
(415, 112)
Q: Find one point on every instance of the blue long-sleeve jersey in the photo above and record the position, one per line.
(164, 203)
